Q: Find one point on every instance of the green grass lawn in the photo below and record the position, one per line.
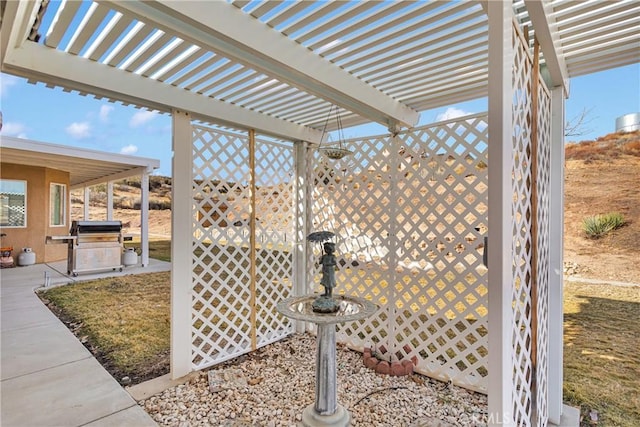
(126, 321)
(158, 249)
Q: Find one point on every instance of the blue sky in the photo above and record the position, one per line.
(51, 115)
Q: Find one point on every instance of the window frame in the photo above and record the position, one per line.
(52, 185)
(25, 182)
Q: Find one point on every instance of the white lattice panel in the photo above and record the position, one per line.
(274, 235)
(221, 316)
(353, 202)
(223, 323)
(543, 274)
(409, 213)
(521, 232)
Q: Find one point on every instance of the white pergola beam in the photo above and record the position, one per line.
(17, 20)
(64, 15)
(546, 31)
(41, 63)
(580, 68)
(244, 39)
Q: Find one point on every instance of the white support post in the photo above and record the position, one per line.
(500, 191)
(87, 196)
(556, 222)
(144, 218)
(252, 240)
(181, 241)
(300, 249)
(110, 201)
(394, 243)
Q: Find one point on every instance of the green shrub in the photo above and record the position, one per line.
(99, 188)
(597, 226)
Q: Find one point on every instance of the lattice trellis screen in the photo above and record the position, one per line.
(275, 237)
(409, 212)
(234, 312)
(530, 371)
(521, 232)
(543, 183)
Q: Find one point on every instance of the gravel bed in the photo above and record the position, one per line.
(272, 386)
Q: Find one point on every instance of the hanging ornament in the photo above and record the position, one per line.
(339, 151)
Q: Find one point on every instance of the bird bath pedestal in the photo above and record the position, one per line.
(326, 411)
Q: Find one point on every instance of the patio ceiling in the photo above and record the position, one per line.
(278, 66)
(85, 167)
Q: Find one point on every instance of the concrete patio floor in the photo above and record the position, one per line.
(47, 377)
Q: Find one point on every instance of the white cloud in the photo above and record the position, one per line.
(79, 130)
(104, 112)
(451, 113)
(129, 149)
(6, 82)
(141, 117)
(14, 129)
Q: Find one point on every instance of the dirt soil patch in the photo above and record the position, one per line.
(607, 180)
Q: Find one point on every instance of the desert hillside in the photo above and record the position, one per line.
(601, 176)
(126, 197)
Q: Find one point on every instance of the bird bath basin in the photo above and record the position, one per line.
(326, 411)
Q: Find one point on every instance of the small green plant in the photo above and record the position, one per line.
(597, 226)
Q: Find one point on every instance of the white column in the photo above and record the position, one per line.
(252, 239)
(110, 201)
(556, 232)
(181, 239)
(300, 248)
(87, 195)
(500, 215)
(394, 243)
(144, 218)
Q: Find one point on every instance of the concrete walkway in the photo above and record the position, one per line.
(48, 378)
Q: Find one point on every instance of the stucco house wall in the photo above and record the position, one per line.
(38, 227)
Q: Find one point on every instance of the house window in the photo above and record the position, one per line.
(13, 203)
(57, 204)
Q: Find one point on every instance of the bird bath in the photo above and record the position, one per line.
(326, 411)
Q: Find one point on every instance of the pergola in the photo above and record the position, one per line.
(250, 84)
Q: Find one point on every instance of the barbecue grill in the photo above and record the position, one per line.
(94, 245)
